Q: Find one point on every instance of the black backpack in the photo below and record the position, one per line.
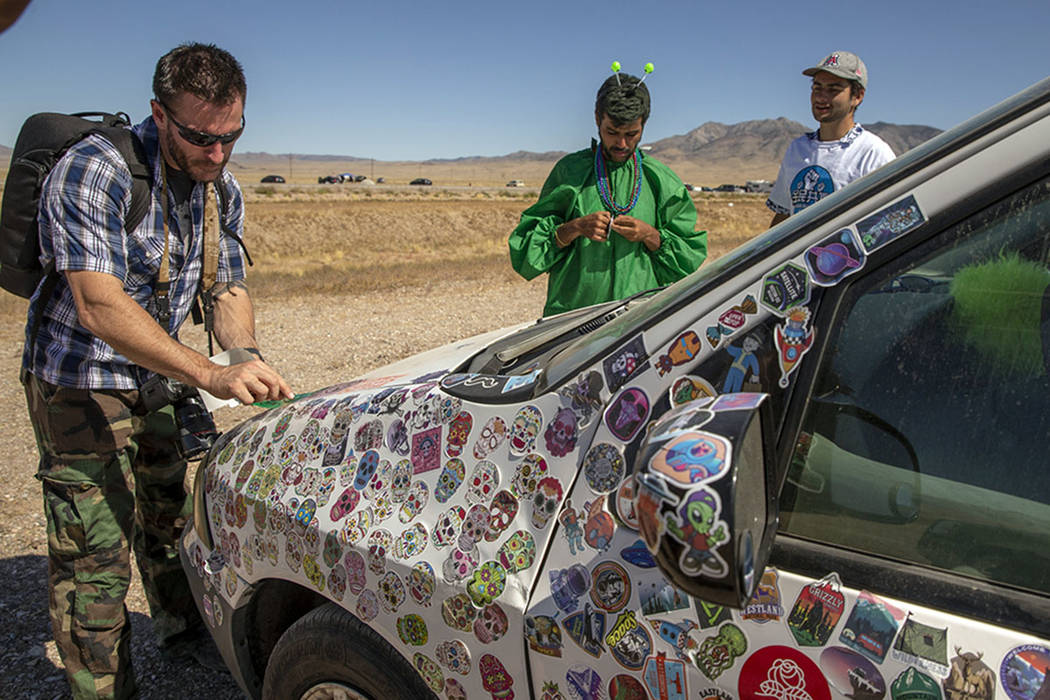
(41, 142)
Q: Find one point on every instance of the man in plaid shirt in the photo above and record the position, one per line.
(111, 471)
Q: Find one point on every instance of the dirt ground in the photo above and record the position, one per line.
(341, 288)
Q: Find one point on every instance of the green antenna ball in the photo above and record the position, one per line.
(616, 66)
(648, 67)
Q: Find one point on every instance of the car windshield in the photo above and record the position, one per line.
(588, 349)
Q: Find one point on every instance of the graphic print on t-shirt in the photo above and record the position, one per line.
(810, 185)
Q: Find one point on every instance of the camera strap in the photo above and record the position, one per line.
(209, 264)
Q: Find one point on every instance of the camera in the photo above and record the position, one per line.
(196, 428)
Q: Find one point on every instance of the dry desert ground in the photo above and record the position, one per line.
(345, 279)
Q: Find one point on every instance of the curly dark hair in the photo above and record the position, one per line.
(623, 99)
(203, 70)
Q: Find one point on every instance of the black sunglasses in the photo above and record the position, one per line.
(202, 138)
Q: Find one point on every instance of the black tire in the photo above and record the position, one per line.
(328, 645)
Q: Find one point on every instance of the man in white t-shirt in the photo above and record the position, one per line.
(840, 151)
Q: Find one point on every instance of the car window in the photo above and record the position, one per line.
(925, 437)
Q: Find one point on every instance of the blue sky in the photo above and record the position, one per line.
(411, 81)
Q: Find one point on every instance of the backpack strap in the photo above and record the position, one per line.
(134, 154)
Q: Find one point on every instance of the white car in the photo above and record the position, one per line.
(816, 467)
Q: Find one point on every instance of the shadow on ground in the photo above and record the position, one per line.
(30, 665)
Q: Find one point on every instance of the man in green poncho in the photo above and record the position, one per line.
(610, 222)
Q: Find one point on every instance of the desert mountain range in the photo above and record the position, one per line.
(712, 153)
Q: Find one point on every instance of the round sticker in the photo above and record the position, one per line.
(781, 673)
(603, 467)
(1024, 672)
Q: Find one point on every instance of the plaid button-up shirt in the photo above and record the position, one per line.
(82, 208)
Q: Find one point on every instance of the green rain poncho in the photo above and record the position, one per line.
(586, 272)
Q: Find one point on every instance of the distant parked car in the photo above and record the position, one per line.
(329, 179)
(346, 177)
(272, 178)
(421, 181)
(759, 186)
(380, 181)
(689, 187)
(729, 188)
(516, 183)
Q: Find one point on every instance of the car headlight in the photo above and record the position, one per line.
(200, 512)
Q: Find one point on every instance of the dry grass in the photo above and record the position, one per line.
(316, 240)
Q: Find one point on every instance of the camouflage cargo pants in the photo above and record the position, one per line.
(112, 480)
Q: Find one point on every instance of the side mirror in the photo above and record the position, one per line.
(706, 497)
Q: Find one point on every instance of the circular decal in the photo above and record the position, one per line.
(603, 467)
(1025, 672)
(624, 687)
(781, 673)
(611, 587)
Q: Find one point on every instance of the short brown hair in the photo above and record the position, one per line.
(203, 70)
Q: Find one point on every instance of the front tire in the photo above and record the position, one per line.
(328, 654)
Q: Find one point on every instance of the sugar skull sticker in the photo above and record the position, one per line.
(561, 433)
(502, 510)
(491, 624)
(454, 655)
(518, 552)
(484, 481)
(527, 474)
(492, 436)
(545, 501)
(421, 583)
(448, 526)
(458, 434)
(584, 396)
(449, 480)
(524, 429)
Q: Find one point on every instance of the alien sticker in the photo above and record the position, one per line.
(698, 528)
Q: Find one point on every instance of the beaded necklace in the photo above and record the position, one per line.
(605, 186)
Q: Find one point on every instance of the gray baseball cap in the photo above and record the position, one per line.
(843, 64)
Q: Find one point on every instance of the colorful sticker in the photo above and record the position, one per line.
(816, 611)
(610, 586)
(683, 349)
(545, 501)
(786, 288)
(690, 388)
(970, 678)
(692, 458)
(624, 687)
(567, 585)
(543, 635)
(717, 653)
(851, 674)
(561, 434)
(603, 468)
(454, 655)
(665, 678)
(834, 258)
(627, 413)
(710, 615)
(524, 429)
(913, 684)
(494, 677)
(696, 525)
(625, 363)
(1025, 672)
(922, 645)
(587, 628)
(411, 629)
(781, 673)
(871, 626)
(426, 450)
(492, 436)
(491, 624)
(629, 642)
(892, 222)
(458, 434)
(584, 683)
(660, 596)
(764, 605)
(584, 396)
(793, 340)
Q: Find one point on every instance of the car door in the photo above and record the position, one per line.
(914, 545)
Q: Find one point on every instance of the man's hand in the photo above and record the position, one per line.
(593, 226)
(248, 382)
(636, 230)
